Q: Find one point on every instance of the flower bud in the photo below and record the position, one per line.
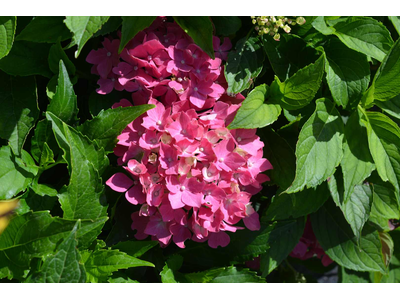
(300, 20)
(277, 37)
(286, 28)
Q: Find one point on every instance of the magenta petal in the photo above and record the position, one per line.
(135, 195)
(119, 182)
(193, 200)
(252, 222)
(218, 239)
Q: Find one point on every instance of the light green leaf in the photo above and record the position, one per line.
(396, 23)
(340, 244)
(101, 264)
(391, 107)
(46, 29)
(254, 113)
(19, 109)
(83, 196)
(350, 276)
(15, 174)
(170, 269)
(64, 103)
(122, 280)
(297, 91)
(226, 25)
(83, 28)
(365, 35)
(63, 266)
(200, 29)
(357, 163)
(7, 31)
(347, 73)
(27, 58)
(319, 24)
(224, 275)
(131, 26)
(104, 128)
(22, 240)
(244, 64)
(384, 144)
(319, 149)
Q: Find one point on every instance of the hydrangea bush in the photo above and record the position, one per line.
(202, 149)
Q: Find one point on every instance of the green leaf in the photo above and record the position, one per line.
(284, 206)
(339, 242)
(135, 248)
(104, 128)
(319, 149)
(27, 58)
(297, 91)
(43, 135)
(83, 28)
(15, 174)
(254, 113)
(347, 73)
(111, 25)
(131, 26)
(7, 31)
(319, 24)
(122, 280)
(63, 266)
(226, 25)
(170, 269)
(284, 61)
(22, 240)
(224, 275)
(56, 54)
(244, 64)
(200, 29)
(101, 264)
(396, 23)
(391, 107)
(384, 144)
(350, 276)
(365, 35)
(64, 103)
(357, 163)
(19, 109)
(83, 196)
(44, 30)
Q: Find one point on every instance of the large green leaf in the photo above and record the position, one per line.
(244, 64)
(63, 266)
(43, 143)
(365, 35)
(56, 54)
(7, 31)
(200, 29)
(391, 107)
(131, 26)
(319, 149)
(347, 73)
(384, 144)
(396, 23)
(83, 196)
(357, 163)
(297, 91)
(46, 29)
(83, 28)
(224, 275)
(15, 174)
(135, 248)
(36, 235)
(337, 239)
(19, 109)
(105, 127)
(254, 113)
(100, 264)
(27, 58)
(64, 103)
(284, 61)
(350, 276)
(226, 25)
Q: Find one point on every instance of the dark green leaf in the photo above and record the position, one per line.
(339, 242)
(27, 58)
(391, 107)
(200, 29)
(56, 54)
(111, 25)
(319, 149)
(7, 31)
(297, 91)
(44, 30)
(170, 269)
(83, 28)
(350, 276)
(19, 109)
(83, 196)
(135, 248)
(226, 25)
(131, 26)
(244, 64)
(347, 73)
(224, 275)
(43, 135)
(101, 264)
(64, 103)
(254, 113)
(105, 127)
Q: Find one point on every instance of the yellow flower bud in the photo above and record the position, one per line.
(277, 37)
(300, 20)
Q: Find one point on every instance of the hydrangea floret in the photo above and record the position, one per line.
(191, 177)
(271, 25)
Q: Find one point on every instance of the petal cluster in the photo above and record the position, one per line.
(191, 176)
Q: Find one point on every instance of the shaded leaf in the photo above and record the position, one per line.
(131, 26)
(7, 31)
